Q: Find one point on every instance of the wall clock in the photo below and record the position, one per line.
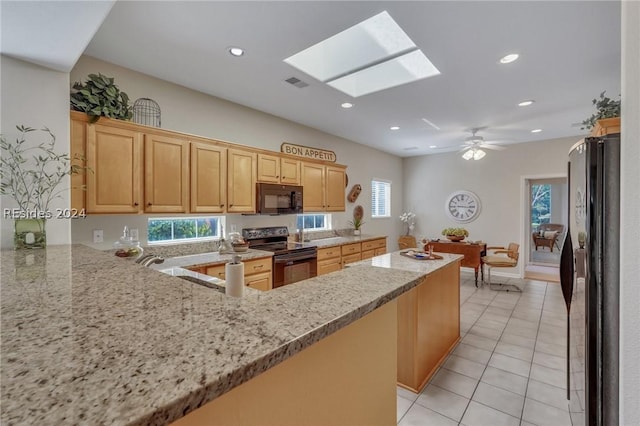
(463, 206)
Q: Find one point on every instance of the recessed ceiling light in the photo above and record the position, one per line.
(432, 146)
(526, 103)
(347, 105)
(394, 128)
(536, 130)
(509, 58)
(236, 51)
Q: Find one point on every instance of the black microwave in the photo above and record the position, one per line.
(278, 199)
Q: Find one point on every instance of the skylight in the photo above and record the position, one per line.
(373, 55)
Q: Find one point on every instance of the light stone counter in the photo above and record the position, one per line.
(212, 258)
(397, 261)
(90, 338)
(338, 241)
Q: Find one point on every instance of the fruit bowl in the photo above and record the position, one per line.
(239, 248)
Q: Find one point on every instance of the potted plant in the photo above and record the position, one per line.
(605, 108)
(31, 175)
(357, 222)
(455, 234)
(99, 96)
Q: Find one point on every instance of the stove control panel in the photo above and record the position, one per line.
(260, 233)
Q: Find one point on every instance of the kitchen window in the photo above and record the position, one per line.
(380, 198)
(314, 222)
(183, 229)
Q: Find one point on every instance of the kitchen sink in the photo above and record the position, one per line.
(203, 283)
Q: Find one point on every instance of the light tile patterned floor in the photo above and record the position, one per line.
(509, 367)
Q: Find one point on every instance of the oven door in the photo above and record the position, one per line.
(293, 267)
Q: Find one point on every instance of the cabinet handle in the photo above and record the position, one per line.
(221, 205)
(283, 177)
(149, 204)
(258, 267)
(230, 205)
(277, 177)
(135, 204)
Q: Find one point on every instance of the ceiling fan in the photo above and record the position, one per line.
(473, 145)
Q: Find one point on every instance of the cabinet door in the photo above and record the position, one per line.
(166, 180)
(289, 171)
(329, 265)
(368, 254)
(313, 176)
(335, 197)
(260, 281)
(208, 178)
(115, 157)
(217, 271)
(268, 168)
(78, 133)
(351, 258)
(241, 184)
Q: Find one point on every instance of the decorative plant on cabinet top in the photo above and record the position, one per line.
(99, 96)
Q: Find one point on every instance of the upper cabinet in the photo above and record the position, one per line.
(241, 183)
(114, 156)
(208, 178)
(139, 169)
(166, 169)
(324, 187)
(276, 169)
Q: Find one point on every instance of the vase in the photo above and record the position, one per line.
(455, 238)
(356, 232)
(29, 234)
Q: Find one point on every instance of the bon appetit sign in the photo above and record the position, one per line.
(308, 152)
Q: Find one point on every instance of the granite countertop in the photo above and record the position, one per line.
(337, 241)
(90, 338)
(211, 258)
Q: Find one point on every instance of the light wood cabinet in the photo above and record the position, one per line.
(166, 174)
(78, 136)
(289, 171)
(208, 178)
(329, 260)
(351, 248)
(257, 273)
(428, 326)
(373, 248)
(276, 169)
(115, 157)
(241, 184)
(334, 190)
(323, 187)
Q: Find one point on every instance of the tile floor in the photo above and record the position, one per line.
(507, 369)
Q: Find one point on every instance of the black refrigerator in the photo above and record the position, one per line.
(589, 276)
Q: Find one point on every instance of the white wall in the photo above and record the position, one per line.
(630, 218)
(35, 97)
(496, 180)
(192, 112)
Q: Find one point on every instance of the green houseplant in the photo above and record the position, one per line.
(99, 96)
(31, 174)
(605, 108)
(357, 222)
(455, 234)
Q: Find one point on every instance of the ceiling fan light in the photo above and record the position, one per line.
(468, 155)
(479, 154)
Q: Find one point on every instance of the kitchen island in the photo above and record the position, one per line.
(89, 338)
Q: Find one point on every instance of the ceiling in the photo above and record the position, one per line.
(569, 53)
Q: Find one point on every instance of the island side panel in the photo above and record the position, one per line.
(428, 326)
(348, 378)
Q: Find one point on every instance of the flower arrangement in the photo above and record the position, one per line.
(410, 219)
(456, 232)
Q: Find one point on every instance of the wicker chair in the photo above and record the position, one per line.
(407, 241)
(502, 258)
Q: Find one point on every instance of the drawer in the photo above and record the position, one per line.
(351, 258)
(368, 254)
(350, 249)
(256, 266)
(374, 244)
(327, 253)
(329, 265)
(380, 251)
(260, 281)
(216, 271)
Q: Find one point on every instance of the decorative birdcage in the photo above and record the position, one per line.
(146, 111)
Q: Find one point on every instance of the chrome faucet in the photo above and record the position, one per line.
(149, 259)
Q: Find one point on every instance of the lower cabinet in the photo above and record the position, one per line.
(374, 248)
(351, 253)
(257, 273)
(329, 260)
